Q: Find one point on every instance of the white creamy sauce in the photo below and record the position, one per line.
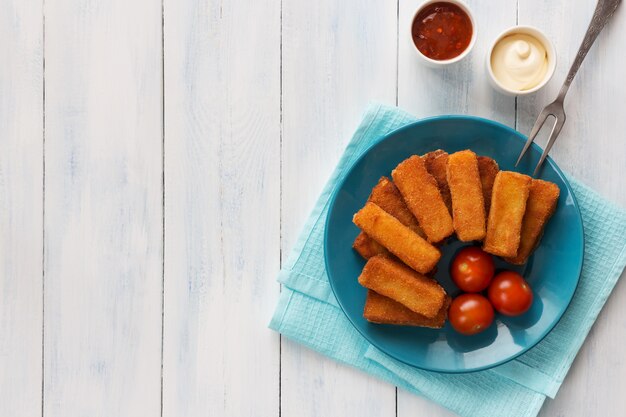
(519, 62)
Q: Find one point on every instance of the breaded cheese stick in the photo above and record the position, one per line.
(488, 169)
(468, 205)
(397, 238)
(387, 196)
(383, 310)
(421, 194)
(368, 247)
(395, 280)
(433, 154)
(508, 205)
(437, 167)
(541, 205)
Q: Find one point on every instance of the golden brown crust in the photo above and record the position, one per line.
(395, 280)
(429, 156)
(368, 247)
(437, 166)
(384, 310)
(541, 205)
(397, 238)
(488, 169)
(421, 194)
(387, 196)
(468, 206)
(508, 205)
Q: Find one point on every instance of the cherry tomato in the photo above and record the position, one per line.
(470, 314)
(472, 269)
(510, 294)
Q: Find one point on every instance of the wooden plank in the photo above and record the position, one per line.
(337, 56)
(411, 405)
(459, 89)
(21, 206)
(103, 209)
(222, 193)
(591, 148)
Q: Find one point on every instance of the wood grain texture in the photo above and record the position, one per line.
(337, 56)
(21, 206)
(591, 147)
(103, 209)
(414, 406)
(222, 193)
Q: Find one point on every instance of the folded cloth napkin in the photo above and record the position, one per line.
(308, 312)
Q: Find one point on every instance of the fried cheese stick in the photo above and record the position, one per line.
(468, 206)
(368, 247)
(386, 196)
(433, 154)
(541, 204)
(508, 205)
(397, 238)
(421, 194)
(436, 165)
(395, 280)
(383, 310)
(488, 169)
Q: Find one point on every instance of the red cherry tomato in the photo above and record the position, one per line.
(470, 314)
(510, 294)
(472, 269)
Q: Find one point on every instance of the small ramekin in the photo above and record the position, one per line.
(550, 51)
(442, 63)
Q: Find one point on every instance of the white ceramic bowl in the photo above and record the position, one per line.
(441, 63)
(550, 51)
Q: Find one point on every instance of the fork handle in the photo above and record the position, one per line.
(604, 11)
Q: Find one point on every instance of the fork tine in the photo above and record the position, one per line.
(541, 119)
(556, 129)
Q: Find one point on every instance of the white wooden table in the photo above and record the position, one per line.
(158, 159)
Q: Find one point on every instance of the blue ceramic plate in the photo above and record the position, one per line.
(552, 271)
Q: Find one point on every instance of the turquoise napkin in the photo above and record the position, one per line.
(308, 313)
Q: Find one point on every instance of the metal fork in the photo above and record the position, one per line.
(604, 10)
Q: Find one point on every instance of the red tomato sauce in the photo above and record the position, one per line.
(442, 31)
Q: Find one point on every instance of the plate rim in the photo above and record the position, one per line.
(523, 138)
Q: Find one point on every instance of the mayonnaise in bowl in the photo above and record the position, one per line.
(521, 61)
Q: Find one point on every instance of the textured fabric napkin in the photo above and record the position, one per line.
(308, 312)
